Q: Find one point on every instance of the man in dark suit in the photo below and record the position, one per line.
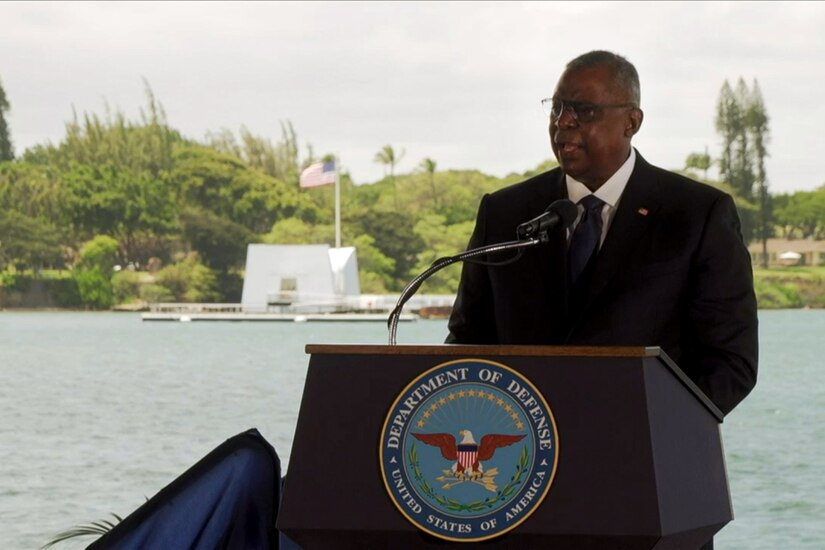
(669, 268)
(656, 258)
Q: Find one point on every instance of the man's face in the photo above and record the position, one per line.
(592, 151)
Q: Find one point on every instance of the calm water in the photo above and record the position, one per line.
(99, 411)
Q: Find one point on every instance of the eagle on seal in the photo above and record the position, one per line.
(468, 454)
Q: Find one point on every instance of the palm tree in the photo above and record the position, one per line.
(387, 157)
(98, 528)
(428, 166)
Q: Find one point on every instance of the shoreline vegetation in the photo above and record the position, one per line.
(790, 287)
(127, 211)
(796, 287)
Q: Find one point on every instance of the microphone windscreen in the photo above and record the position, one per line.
(566, 210)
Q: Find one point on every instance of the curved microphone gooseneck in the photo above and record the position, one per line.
(561, 213)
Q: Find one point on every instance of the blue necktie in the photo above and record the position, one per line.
(586, 237)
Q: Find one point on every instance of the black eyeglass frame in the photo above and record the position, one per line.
(581, 111)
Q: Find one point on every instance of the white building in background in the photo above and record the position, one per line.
(312, 277)
(344, 263)
(292, 282)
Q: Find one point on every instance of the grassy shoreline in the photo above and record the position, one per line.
(776, 288)
(790, 287)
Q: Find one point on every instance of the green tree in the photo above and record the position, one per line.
(208, 180)
(544, 166)
(389, 158)
(375, 270)
(94, 271)
(126, 286)
(742, 122)
(394, 238)
(101, 252)
(297, 231)
(279, 160)
(219, 241)
(95, 288)
(6, 149)
(728, 125)
(428, 166)
(756, 120)
(109, 175)
(462, 191)
(699, 161)
(33, 190)
(735, 166)
(224, 185)
(801, 214)
(146, 144)
(136, 208)
(440, 240)
(189, 281)
(266, 199)
(742, 176)
(28, 243)
(32, 226)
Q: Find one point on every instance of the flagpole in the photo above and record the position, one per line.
(337, 205)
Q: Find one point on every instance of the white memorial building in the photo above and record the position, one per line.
(306, 277)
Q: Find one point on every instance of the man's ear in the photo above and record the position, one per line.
(634, 122)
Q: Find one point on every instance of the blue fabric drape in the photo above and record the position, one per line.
(228, 500)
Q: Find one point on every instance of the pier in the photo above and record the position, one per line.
(364, 308)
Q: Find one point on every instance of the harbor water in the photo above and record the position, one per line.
(99, 411)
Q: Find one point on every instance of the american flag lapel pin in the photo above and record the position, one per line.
(643, 211)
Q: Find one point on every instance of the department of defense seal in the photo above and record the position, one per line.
(469, 450)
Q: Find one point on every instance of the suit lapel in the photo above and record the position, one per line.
(638, 206)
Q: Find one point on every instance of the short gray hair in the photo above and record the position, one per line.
(623, 70)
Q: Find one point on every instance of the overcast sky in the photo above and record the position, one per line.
(457, 82)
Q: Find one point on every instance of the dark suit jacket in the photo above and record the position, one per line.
(672, 272)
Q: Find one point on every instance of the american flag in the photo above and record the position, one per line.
(320, 173)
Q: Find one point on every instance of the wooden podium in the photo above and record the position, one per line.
(640, 460)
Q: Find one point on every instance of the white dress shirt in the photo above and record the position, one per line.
(610, 193)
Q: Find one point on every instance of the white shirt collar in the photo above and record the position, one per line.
(611, 191)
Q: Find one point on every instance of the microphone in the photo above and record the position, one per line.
(561, 213)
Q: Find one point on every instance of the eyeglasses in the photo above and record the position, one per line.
(581, 111)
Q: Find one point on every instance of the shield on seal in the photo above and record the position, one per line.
(467, 455)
